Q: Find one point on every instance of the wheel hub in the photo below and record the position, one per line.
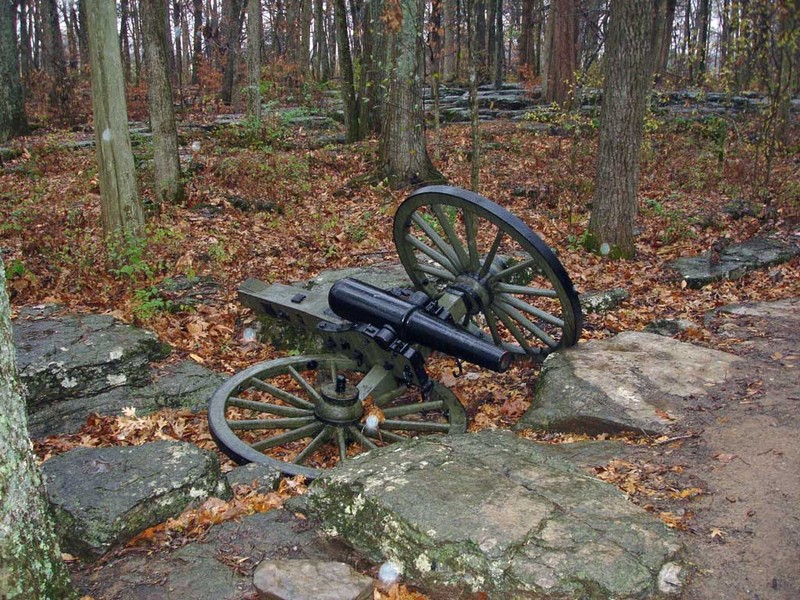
(340, 402)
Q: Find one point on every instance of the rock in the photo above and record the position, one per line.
(493, 513)
(734, 261)
(184, 292)
(599, 302)
(103, 497)
(669, 327)
(632, 382)
(182, 385)
(262, 478)
(80, 355)
(385, 275)
(310, 580)
(219, 566)
(739, 208)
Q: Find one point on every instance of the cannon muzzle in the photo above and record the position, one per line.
(363, 303)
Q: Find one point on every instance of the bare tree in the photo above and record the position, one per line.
(558, 72)
(13, 121)
(254, 35)
(121, 208)
(625, 92)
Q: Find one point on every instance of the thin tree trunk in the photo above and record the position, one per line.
(449, 72)
(230, 46)
(121, 208)
(625, 92)
(321, 58)
(703, 22)
(125, 49)
(254, 36)
(13, 121)
(349, 99)
(473, 57)
(25, 52)
(53, 59)
(498, 45)
(197, 56)
(167, 168)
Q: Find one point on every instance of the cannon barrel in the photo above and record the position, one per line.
(363, 303)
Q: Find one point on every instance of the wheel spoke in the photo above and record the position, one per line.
(455, 242)
(507, 288)
(288, 436)
(415, 426)
(512, 327)
(361, 438)
(433, 271)
(491, 321)
(437, 240)
(435, 256)
(341, 442)
(249, 424)
(274, 409)
(521, 266)
(536, 312)
(388, 436)
(321, 438)
(409, 409)
(281, 394)
(526, 323)
(472, 240)
(309, 389)
(487, 262)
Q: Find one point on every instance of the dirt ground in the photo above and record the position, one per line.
(744, 537)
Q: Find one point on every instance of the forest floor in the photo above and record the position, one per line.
(260, 203)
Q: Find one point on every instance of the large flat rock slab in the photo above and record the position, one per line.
(185, 384)
(311, 580)
(80, 355)
(734, 261)
(494, 513)
(103, 497)
(219, 566)
(632, 382)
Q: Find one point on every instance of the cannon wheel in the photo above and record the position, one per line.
(286, 414)
(515, 291)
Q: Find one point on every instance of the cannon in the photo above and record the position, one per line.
(485, 289)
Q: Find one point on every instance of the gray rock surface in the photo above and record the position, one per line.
(218, 567)
(632, 382)
(602, 301)
(262, 478)
(181, 385)
(103, 497)
(734, 261)
(493, 513)
(310, 580)
(385, 275)
(80, 355)
(669, 327)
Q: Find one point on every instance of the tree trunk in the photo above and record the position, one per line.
(30, 559)
(450, 50)
(53, 59)
(197, 40)
(403, 154)
(167, 167)
(373, 69)
(498, 45)
(558, 74)
(664, 40)
(346, 69)
(625, 92)
(473, 57)
(120, 206)
(322, 65)
(254, 35)
(231, 26)
(13, 121)
(124, 44)
(703, 22)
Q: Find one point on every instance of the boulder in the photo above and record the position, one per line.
(262, 478)
(185, 384)
(603, 301)
(80, 355)
(311, 580)
(734, 261)
(493, 513)
(103, 497)
(632, 382)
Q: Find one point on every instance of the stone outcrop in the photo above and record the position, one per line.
(494, 513)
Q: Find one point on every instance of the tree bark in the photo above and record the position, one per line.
(120, 206)
(167, 167)
(30, 558)
(13, 121)
(231, 27)
(625, 92)
(558, 73)
(450, 50)
(254, 35)
(53, 59)
(403, 154)
(197, 40)
(349, 99)
(322, 65)
(498, 45)
(124, 43)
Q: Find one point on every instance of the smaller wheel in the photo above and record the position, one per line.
(304, 414)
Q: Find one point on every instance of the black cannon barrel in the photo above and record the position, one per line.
(363, 303)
